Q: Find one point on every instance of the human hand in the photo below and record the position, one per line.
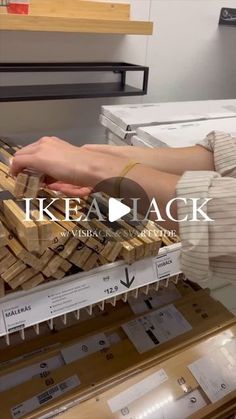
(70, 190)
(67, 168)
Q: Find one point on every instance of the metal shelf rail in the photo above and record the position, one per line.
(72, 90)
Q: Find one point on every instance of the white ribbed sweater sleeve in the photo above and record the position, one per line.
(209, 248)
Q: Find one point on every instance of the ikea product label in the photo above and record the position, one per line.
(149, 331)
(43, 398)
(137, 390)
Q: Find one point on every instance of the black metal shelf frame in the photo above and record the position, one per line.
(72, 91)
(227, 16)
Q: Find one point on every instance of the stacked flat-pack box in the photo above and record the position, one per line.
(124, 120)
(174, 124)
(182, 134)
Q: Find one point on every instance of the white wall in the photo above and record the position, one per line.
(190, 57)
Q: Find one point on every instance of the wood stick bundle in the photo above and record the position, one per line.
(34, 251)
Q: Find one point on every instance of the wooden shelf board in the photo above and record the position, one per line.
(80, 9)
(66, 24)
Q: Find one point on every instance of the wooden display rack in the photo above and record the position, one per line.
(83, 16)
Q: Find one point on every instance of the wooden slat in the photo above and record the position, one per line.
(2, 288)
(53, 265)
(90, 242)
(90, 262)
(14, 270)
(60, 24)
(45, 230)
(6, 183)
(80, 257)
(7, 262)
(45, 258)
(27, 231)
(65, 266)
(69, 247)
(20, 185)
(59, 274)
(80, 9)
(33, 282)
(22, 278)
(3, 237)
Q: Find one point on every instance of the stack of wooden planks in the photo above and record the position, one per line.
(34, 251)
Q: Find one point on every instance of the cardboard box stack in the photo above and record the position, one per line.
(123, 122)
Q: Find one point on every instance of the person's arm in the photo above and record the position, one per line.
(170, 160)
(65, 164)
(209, 247)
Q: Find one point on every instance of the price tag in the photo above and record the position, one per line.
(73, 294)
(167, 265)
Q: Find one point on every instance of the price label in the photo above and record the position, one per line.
(81, 291)
(111, 290)
(167, 265)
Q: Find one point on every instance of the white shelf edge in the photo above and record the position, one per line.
(85, 289)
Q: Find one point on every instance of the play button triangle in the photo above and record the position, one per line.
(117, 210)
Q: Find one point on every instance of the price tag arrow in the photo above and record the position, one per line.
(128, 281)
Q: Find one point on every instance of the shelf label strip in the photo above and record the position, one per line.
(76, 294)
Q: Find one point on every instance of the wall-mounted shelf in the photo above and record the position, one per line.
(75, 16)
(71, 91)
(60, 24)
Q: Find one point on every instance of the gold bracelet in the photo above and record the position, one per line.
(124, 172)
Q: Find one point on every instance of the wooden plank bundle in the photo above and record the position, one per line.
(36, 251)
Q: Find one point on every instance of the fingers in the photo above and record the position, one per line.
(20, 163)
(36, 154)
(29, 149)
(70, 190)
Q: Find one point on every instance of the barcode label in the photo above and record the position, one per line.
(16, 328)
(35, 402)
(47, 395)
(63, 386)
